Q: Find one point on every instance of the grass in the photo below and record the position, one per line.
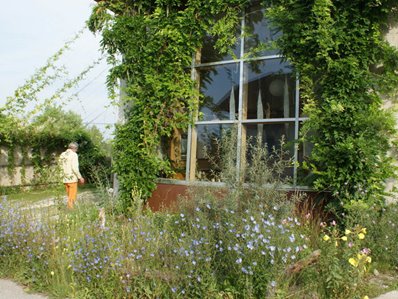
(34, 195)
(39, 194)
(48, 203)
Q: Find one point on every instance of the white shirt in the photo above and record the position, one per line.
(70, 166)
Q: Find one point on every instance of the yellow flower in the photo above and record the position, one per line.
(344, 238)
(326, 238)
(368, 259)
(361, 236)
(365, 297)
(363, 230)
(52, 273)
(347, 232)
(353, 262)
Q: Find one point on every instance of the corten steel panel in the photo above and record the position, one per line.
(312, 205)
(165, 196)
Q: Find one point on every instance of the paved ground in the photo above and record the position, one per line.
(10, 290)
(390, 295)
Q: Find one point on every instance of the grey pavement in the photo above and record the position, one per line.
(390, 295)
(10, 290)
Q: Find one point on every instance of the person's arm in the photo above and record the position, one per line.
(75, 168)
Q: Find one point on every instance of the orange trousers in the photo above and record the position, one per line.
(71, 191)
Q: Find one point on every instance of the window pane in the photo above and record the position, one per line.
(219, 86)
(271, 137)
(304, 175)
(174, 149)
(210, 54)
(258, 32)
(208, 155)
(271, 89)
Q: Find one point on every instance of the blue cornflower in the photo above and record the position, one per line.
(292, 238)
(250, 245)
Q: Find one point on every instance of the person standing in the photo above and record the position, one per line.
(69, 162)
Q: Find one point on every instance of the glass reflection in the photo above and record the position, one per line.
(274, 137)
(219, 86)
(174, 149)
(210, 54)
(259, 33)
(208, 154)
(305, 176)
(271, 89)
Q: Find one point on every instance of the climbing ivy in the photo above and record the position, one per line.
(156, 40)
(337, 48)
(346, 68)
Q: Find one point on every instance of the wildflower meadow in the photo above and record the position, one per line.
(205, 250)
(239, 240)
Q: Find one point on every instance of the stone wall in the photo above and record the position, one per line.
(22, 173)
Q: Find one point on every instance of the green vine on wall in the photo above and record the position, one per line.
(157, 40)
(346, 68)
(337, 47)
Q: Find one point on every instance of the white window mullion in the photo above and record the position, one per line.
(240, 110)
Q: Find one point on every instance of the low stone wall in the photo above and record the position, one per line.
(22, 172)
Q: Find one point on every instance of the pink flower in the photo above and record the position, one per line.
(365, 251)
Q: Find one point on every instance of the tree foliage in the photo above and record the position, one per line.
(33, 118)
(55, 128)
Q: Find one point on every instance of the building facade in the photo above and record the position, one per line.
(252, 91)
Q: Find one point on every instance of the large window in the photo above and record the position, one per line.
(255, 92)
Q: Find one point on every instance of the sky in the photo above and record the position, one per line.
(33, 30)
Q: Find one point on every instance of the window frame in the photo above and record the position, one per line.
(241, 121)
